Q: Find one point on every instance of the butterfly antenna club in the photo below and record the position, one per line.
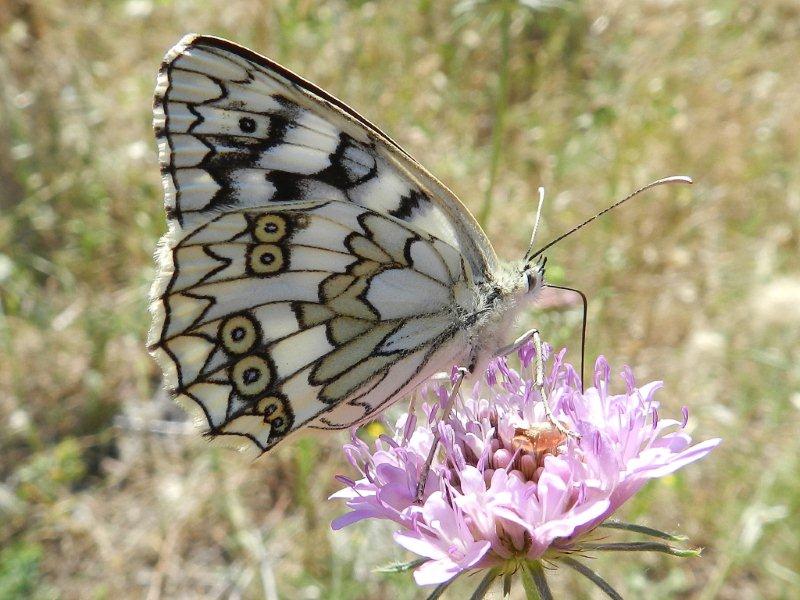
(665, 180)
(535, 224)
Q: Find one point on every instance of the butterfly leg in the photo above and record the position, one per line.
(462, 373)
(517, 344)
(538, 382)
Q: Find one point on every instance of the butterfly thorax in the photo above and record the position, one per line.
(497, 304)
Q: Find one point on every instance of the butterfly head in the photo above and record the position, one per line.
(533, 275)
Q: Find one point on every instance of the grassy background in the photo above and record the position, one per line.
(107, 493)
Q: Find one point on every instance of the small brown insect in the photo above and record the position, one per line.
(539, 439)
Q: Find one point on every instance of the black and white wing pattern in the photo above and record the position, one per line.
(313, 272)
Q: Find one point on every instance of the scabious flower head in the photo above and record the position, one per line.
(507, 485)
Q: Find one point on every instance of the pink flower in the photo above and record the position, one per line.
(507, 487)
(448, 542)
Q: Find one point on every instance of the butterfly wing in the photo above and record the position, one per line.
(314, 313)
(236, 129)
(313, 272)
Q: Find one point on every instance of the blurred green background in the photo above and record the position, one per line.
(108, 493)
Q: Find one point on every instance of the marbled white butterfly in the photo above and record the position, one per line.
(313, 272)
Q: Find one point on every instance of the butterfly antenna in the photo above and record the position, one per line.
(536, 223)
(673, 179)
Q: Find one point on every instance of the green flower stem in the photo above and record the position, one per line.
(534, 582)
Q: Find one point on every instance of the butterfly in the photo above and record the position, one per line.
(313, 272)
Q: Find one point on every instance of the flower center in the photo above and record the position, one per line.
(524, 456)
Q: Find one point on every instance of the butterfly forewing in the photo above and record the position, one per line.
(236, 129)
(313, 271)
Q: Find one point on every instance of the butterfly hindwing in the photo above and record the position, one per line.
(272, 318)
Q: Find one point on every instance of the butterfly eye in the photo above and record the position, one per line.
(533, 279)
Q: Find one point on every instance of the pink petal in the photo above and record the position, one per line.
(435, 572)
(419, 544)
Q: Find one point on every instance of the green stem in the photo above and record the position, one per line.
(534, 582)
(500, 107)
